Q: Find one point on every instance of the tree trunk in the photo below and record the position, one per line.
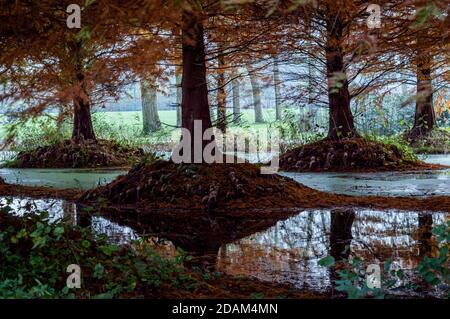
(425, 117)
(256, 90)
(150, 117)
(221, 96)
(236, 98)
(341, 123)
(83, 128)
(311, 76)
(276, 84)
(194, 103)
(179, 94)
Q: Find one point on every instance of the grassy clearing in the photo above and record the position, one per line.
(122, 127)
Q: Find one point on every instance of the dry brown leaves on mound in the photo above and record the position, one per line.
(71, 154)
(165, 184)
(348, 154)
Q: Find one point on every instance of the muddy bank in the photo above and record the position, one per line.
(350, 155)
(71, 154)
(38, 192)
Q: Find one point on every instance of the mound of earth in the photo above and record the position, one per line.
(71, 154)
(164, 184)
(435, 142)
(349, 154)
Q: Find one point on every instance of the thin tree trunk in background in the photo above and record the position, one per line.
(256, 91)
(83, 128)
(424, 117)
(341, 123)
(194, 105)
(179, 94)
(149, 102)
(221, 96)
(311, 76)
(276, 84)
(310, 89)
(236, 97)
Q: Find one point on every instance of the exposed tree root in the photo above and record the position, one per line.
(349, 154)
(70, 154)
(207, 186)
(435, 142)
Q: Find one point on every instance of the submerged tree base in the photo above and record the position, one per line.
(435, 142)
(71, 154)
(349, 154)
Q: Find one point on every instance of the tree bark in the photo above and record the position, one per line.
(236, 98)
(194, 103)
(276, 85)
(179, 94)
(341, 122)
(424, 117)
(83, 128)
(256, 91)
(150, 117)
(221, 96)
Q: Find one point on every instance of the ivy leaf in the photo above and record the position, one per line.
(58, 231)
(98, 271)
(327, 261)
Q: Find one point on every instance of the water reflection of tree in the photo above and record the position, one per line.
(425, 233)
(199, 234)
(341, 223)
(341, 232)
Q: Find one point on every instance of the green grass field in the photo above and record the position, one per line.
(167, 117)
(123, 127)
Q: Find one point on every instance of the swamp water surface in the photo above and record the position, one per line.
(282, 251)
